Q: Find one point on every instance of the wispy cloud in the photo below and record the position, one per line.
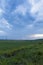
(4, 24)
(1, 11)
(2, 33)
(20, 9)
(37, 9)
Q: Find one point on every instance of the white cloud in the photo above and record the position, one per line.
(4, 24)
(37, 10)
(36, 36)
(33, 36)
(21, 9)
(32, 2)
(1, 10)
(2, 33)
(34, 7)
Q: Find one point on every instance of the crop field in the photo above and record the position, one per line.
(21, 52)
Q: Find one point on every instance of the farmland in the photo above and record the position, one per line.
(21, 52)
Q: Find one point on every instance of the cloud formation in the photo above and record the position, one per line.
(21, 18)
(36, 36)
(2, 33)
(4, 24)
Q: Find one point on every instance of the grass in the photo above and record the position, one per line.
(21, 52)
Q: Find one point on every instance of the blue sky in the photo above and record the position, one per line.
(21, 19)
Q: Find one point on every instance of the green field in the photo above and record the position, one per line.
(21, 52)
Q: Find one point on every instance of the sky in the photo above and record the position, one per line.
(21, 19)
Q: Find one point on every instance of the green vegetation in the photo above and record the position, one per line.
(21, 52)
